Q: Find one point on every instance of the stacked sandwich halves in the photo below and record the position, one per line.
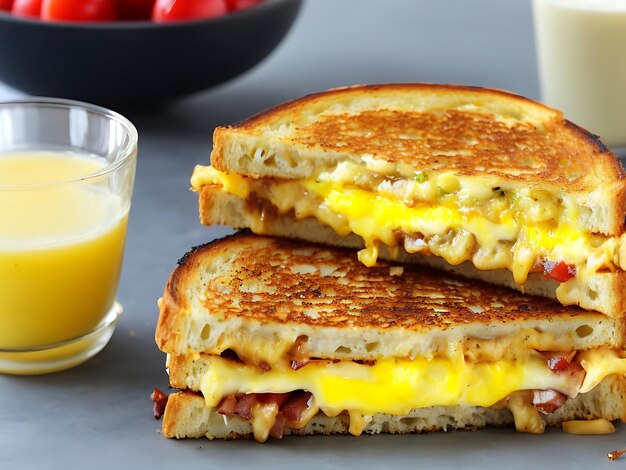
(440, 201)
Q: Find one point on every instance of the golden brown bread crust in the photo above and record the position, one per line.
(246, 290)
(289, 280)
(287, 107)
(469, 131)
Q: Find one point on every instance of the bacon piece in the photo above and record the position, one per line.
(560, 272)
(271, 413)
(160, 400)
(558, 361)
(576, 377)
(564, 363)
(548, 401)
(227, 406)
(296, 405)
(278, 428)
(261, 409)
(270, 398)
(300, 409)
(244, 405)
(558, 364)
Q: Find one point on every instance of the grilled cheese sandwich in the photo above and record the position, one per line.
(278, 337)
(474, 177)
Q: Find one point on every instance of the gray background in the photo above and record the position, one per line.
(98, 415)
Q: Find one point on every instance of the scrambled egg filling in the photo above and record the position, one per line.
(458, 219)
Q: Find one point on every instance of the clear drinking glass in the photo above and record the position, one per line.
(66, 178)
(581, 50)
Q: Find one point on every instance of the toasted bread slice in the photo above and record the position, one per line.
(603, 291)
(404, 129)
(187, 416)
(268, 299)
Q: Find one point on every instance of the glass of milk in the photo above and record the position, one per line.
(581, 49)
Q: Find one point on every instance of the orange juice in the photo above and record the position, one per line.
(61, 248)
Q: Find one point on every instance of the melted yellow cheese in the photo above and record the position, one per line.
(376, 216)
(396, 386)
(599, 363)
(232, 183)
(525, 415)
(393, 386)
(512, 232)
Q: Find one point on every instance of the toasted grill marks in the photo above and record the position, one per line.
(469, 143)
(288, 283)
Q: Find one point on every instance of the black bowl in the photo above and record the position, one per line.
(138, 62)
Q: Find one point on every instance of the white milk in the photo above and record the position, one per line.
(581, 48)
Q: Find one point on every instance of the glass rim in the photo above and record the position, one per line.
(125, 153)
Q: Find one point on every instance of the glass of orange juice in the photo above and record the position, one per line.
(66, 178)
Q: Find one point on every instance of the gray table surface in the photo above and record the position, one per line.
(98, 415)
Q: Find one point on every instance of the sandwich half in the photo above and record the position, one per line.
(479, 182)
(270, 337)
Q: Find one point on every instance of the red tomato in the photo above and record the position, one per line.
(560, 272)
(6, 4)
(236, 5)
(175, 10)
(135, 9)
(27, 8)
(79, 10)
